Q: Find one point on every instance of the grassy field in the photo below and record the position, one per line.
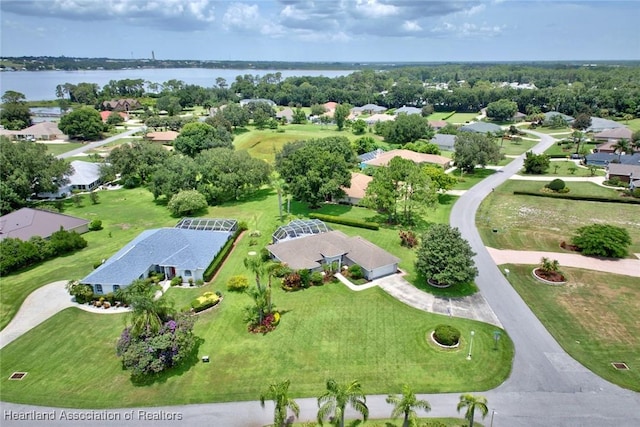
(533, 223)
(462, 117)
(57, 149)
(468, 180)
(634, 124)
(516, 148)
(263, 144)
(593, 317)
(438, 115)
(549, 131)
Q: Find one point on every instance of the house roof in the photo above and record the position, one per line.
(358, 187)
(519, 115)
(444, 140)
(616, 133)
(379, 117)
(26, 223)
(105, 115)
(308, 252)
(598, 124)
(330, 105)
(84, 173)
(246, 101)
(370, 107)
(548, 115)
(171, 247)
(41, 129)
(168, 136)
(624, 170)
(611, 158)
(481, 127)
(408, 110)
(437, 124)
(370, 155)
(384, 158)
(287, 113)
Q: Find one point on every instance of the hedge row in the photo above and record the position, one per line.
(345, 221)
(575, 197)
(448, 115)
(222, 255)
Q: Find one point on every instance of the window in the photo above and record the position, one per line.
(187, 272)
(98, 289)
(116, 287)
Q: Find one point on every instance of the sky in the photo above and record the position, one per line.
(324, 30)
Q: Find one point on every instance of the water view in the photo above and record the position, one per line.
(41, 85)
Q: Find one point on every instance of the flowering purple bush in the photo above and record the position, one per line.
(152, 353)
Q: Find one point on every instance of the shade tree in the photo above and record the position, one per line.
(502, 110)
(475, 149)
(197, 136)
(15, 113)
(83, 123)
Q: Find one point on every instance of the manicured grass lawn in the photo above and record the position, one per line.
(389, 422)
(263, 144)
(325, 332)
(634, 124)
(558, 149)
(534, 223)
(562, 169)
(462, 117)
(57, 149)
(550, 131)
(593, 317)
(439, 115)
(468, 180)
(513, 148)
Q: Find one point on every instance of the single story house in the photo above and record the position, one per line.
(369, 156)
(26, 223)
(85, 177)
(437, 124)
(369, 109)
(519, 117)
(43, 131)
(407, 110)
(603, 159)
(166, 137)
(625, 173)
(607, 147)
(383, 159)
(173, 252)
(444, 141)
(551, 114)
(285, 114)
(330, 106)
(127, 104)
(313, 251)
(246, 101)
(105, 115)
(356, 191)
(599, 124)
(613, 135)
(481, 127)
(379, 117)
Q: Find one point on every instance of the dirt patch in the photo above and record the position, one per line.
(125, 226)
(550, 276)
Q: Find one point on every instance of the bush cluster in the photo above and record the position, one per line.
(345, 221)
(556, 185)
(95, 225)
(237, 283)
(16, 254)
(408, 239)
(355, 272)
(204, 301)
(446, 335)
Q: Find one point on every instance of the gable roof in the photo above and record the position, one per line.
(174, 247)
(286, 112)
(41, 129)
(611, 158)
(370, 107)
(379, 117)
(438, 124)
(84, 173)
(26, 223)
(168, 136)
(444, 141)
(599, 124)
(330, 105)
(246, 101)
(550, 114)
(105, 114)
(358, 187)
(624, 170)
(384, 158)
(408, 110)
(308, 252)
(481, 127)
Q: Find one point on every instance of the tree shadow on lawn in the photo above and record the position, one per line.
(257, 195)
(455, 291)
(162, 377)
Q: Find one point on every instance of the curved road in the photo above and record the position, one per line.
(546, 388)
(96, 144)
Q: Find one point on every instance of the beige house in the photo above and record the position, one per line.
(358, 188)
(43, 131)
(383, 158)
(26, 223)
(166, 137)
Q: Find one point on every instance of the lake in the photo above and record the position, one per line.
(41, 85)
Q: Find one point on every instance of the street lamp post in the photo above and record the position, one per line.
(493, 412)
(470, 345)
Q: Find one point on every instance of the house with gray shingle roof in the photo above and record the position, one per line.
(25, 223)
(481, 127)
(407, 110)
(625, 173)
(369, 109)
(170, 251)
(444, 141)
(548, 116)
(599, 124)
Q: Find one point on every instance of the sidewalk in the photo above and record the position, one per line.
(626, 267)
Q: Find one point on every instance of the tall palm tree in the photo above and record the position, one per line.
(472, 403)
(278, 184)
(147, 312)
(279, 393)
(333, 402)
(622, 146)
(406, 404)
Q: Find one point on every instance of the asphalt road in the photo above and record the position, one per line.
(96, 144)
(546, 388)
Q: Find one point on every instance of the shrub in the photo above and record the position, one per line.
(345, 221)
(446, 335)
(237, 283)
(204, 301)
(95, 225)
(97, 264)
(305, 277)
(556, 185)
(636, 192)
(292, 282)
(577, 197)
(82, 293)
(408, 239)
(176, 281)
(222, 255)
(316, 278)
(603, 240)
(355, 272)
(199, 282)
(281, 270)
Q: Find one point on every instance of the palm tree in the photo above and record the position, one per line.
(279, 393)
(334, 401)
(622, 146)
(406, 404)
(278, 184)
(472, 403)
(147, 312)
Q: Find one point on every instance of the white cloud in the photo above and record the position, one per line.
(374, 9)
(411, 26)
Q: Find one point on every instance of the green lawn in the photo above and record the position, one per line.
(462, 117)
(438, 115)
(634, 124)
(558, 149)
(325, 332)
(389, 422)
(263, 144)
(534, 223)
(563, 169)
(468, 180)
(57, 149)
(549, 131)
(513, 148)
(593, 317)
